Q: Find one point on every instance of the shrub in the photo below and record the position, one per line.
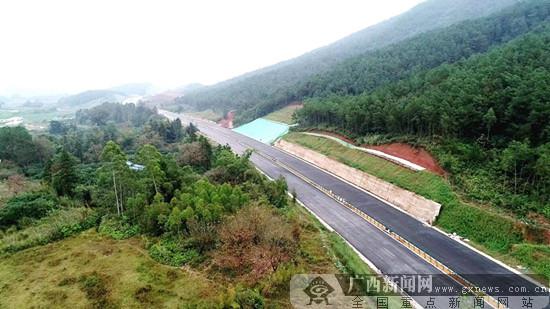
(34, 205)
(249, 299)
(117, 227)
(173, 253)
(95, 286)
(254, 243)
(498, 233)
(59, 224)
(536, 257)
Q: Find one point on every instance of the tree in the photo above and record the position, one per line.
(175, 221)
(151, 158)
(16, 145)
(114, 167)
(517, 159)
(489, 119)
(277, 192)
(57, 127)
(191, 131)
(174, 131)
(542, 169)
(64, 177)
(45, 148)
(196, 154)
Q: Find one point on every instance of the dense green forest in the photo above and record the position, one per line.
(258, 93)
(134, 173)
(375, 69)
(456, 85)
(487, 113)
(474, 93)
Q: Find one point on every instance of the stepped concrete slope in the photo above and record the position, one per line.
(387, 254)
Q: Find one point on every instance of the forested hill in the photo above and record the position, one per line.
(487, 117)
(274, 85)
(500, 96)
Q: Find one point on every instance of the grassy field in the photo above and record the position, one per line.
(93, 271)
(90, 270)
(491, 231)
(284, 114)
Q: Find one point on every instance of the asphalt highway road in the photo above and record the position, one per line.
(389, 256)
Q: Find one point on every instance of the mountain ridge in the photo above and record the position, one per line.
(419, 19)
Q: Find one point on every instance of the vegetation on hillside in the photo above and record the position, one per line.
(474, 94)
(487, 115)
(496, 231)
(179, 200)
(367, 59)
(285, 114)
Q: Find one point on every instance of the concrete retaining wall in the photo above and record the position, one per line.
(419, 207)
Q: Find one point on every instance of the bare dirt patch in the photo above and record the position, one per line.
(416, 155)
(227, 121)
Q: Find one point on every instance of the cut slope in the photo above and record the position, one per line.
(416, 155)
(392, 158)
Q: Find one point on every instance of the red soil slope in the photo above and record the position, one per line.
(401, 150)
(416, 155)
(227, 121)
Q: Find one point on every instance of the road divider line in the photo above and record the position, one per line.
(332, 230)
(423, 255)
(411, 247)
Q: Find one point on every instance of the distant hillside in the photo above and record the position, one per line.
(123, 93)
(91, 97)
(167, 98)
(272, 86)
(134, 89)
(190, 87)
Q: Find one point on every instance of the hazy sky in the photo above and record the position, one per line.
(68, 46)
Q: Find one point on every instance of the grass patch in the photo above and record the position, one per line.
(495, 232)
(424, 183)
(96, 271)
(117, 228)
(59, 224)
(284, 114)
(207, 114)
(95, 286)
(536, 257)
(91, 270)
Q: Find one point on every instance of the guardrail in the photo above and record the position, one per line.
(419, 252)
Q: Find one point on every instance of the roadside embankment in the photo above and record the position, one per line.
(417, 206)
